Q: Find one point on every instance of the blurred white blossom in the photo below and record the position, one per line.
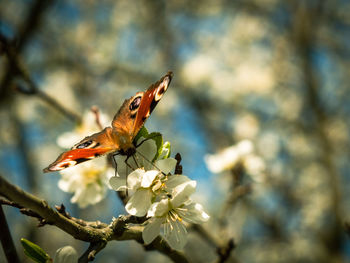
(88, 181)
(87, 127)
(255, 166)
(229, 157)
(243, 152)
(246, 126)
(66, 254)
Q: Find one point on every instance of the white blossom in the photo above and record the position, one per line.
(156, 192)
(143, 158)
(143, 186)
(88, 181)
(172, 212)
(87, 127)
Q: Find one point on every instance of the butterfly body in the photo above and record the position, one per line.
(119, 138)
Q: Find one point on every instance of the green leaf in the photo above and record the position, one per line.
(34, 252)
(158, 139)
(142, 133)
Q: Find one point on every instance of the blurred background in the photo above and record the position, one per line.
(273, 73)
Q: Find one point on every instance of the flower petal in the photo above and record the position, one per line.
(139, 203)
(159, 208)
(193, 213)
(182, 192)
(118, 183)
(148, 178)
(91, 194)
(152, 229)
(66, 185)
(135, 179)
(122, 168)
(67, 139)
(110, 173)
(147, 150)
(175, 180)
(166, 165)
(176, 234)
(151, 211)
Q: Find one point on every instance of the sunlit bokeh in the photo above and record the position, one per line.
(271, 74)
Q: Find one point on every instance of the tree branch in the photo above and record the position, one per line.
(347, 228)
(121, 228)
(6, 239)
(24, 211)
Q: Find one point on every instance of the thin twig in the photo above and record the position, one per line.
(96, 111)
(178, 167)
(237, 191)
(206, 235)
(224, 252)
(19, 70)
(91, 252)
(223, 249)
(25, 211)
(26, 30)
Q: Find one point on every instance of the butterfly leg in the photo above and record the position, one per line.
(127, 164)
(150, 162)
(135, 160)
(116, 165)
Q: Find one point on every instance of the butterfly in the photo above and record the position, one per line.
(120, 137)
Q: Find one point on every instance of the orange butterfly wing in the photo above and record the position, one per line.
(93, 146)
(150, 100)
(125, 126)
(135, 111)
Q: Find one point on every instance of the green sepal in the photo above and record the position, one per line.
(165, 151)
(34, 252)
